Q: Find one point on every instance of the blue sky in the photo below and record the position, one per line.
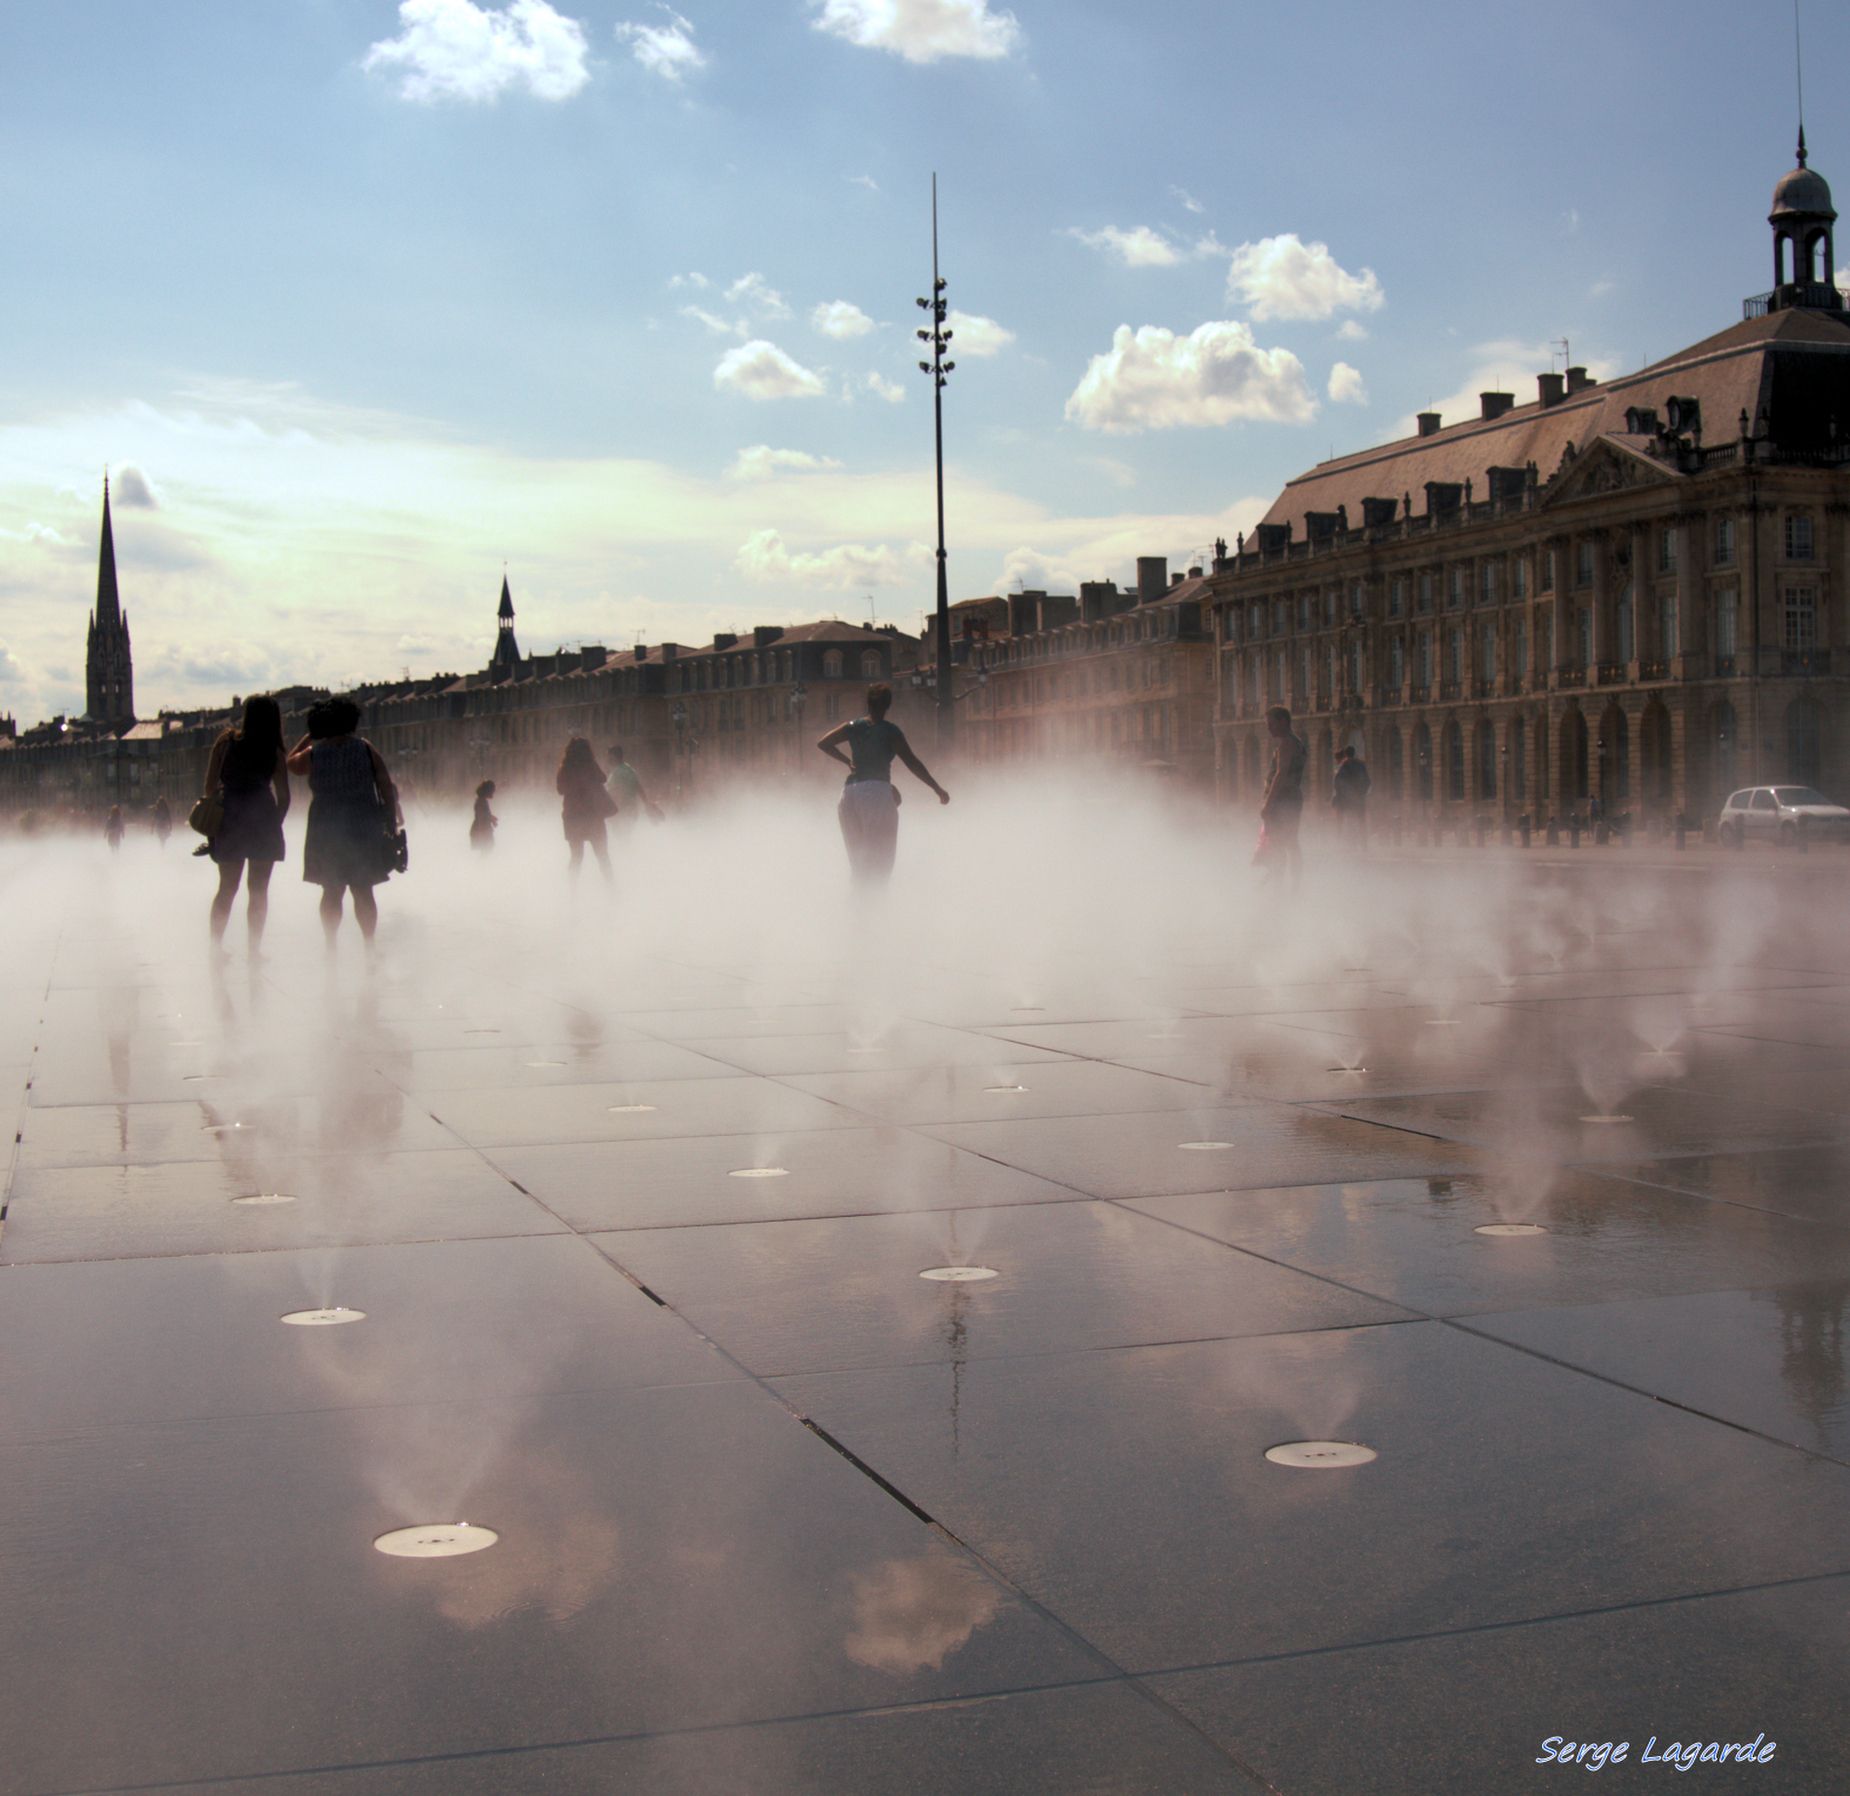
(366, 298)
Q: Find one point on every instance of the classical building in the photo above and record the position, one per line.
(1632, 591)
(109, 666)
(1124, 678)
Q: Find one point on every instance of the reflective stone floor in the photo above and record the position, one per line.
(636, 1242)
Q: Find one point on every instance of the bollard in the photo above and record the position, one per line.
(1573, 833)
(1525, 829)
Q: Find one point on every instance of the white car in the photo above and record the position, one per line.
(1781, 814)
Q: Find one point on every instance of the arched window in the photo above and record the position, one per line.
(1804, 742)
(1519, 763)
(870, 664)
(1454, 762)
(1422, 759)
(1396, 767)
(1627, 633)
(1722, 748)
(831, 665)
(1486, 759)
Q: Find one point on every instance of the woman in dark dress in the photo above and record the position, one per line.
(869, 808)
(354, 805)
(586, 802)
(246, 772)
(482, 824)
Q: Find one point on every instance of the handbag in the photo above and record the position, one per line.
(207, 815)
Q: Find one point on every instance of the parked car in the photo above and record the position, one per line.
(1781, 814)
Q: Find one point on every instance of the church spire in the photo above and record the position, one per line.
(108, 600)
(109, 673)
(506, 659)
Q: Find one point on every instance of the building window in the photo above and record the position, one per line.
(870, 664)
(1454, 588)
(1667, 550)
(1422, 762)
(1487, 582)
(1583, 562)
(1519, 578)
(1455, 656)
(1799, 633)
(1519, 763)
(1548, 570)
(1669, 644)
(1798, 536)
(1280, 615)
(1425, 658)
(1278, 676)
(1397, 596)
(1584, 620)
(1329, 609)
(1727, 610)
(1303, 612)
(1519, 655)
(1486, 759)
(1396, 765)
(1545, 639)
(831, 665)
(1627, 626)
(1397, 661)
(1454, 763)
(1355, 667)
(1487, 650)
(1425, 599)
(1724, 542)
(1358, 600)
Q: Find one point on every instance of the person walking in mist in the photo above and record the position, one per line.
(626, 789)
(246, 772)
(162, 813)
(869, 807)
(352, 816)
(585, 803)
(113, 826)
(482, 824)
(1282, 808)
(1349, 789)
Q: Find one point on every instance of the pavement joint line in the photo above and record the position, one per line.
(1463, 1326)
(1715, 1594)
(1734, 1203)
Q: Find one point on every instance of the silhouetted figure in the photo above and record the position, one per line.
(626, 789)
(1282, 809)
(1349, 789)
(162, 813)
(869, 807)
(113, 826)
(585, 804)
(352, 817)
(482, 825)
(246, 772)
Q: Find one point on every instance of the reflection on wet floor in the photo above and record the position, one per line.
(929, 1326)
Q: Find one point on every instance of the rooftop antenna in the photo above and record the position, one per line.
(1567, 354)
(873, 616)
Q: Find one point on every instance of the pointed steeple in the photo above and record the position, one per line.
(108, 600)
(505, 662)
(507, 600)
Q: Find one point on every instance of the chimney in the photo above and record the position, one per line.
(642, 651)
(1578, 380)
(1494, 405)
(1194, 573)
(1175, 579)
(724, 639)
(1428, 423)
(766, 633)
(1550, 388)
(670, 650)
(1152, 577)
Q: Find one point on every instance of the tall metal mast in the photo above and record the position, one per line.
(938, 368)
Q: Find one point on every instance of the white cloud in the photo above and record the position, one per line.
(130, 487)
(1503, 365)
(761, 370)
(762, 462)
(720, 327)
(1283, 277)
(839, 318)
(882, 388)
(921, 30)
(698, 282)
(866, 181)
(1347, 386)
(1152, 379)
(757, 294)
(36, 533)
(1352, 330)
(765, 556)
(668, 49)
(1139, 247)
(457, 50)
(1187, 200)
(973, 334)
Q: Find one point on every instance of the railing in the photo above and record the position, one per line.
(1805, 661)
(1386, 696)
(1420, 695)
(1449, 689)
(1486, 686)
(1793, 293)
(1612, 673)
(1725, 668)
(1570, 677)
(1654, 670)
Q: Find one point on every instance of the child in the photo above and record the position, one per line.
(482, 826)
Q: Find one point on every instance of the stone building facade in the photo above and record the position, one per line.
(1633, 592)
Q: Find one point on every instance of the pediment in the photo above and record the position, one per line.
(1606, 465)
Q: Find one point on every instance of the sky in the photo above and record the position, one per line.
(362, 300)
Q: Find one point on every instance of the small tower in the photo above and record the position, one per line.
(1804, 263)
(505, 663)
(109, 683)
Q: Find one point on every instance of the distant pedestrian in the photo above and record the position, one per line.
(1282, 808)
(113, 826)
(354, 817)
(246, 774)
(483, 824)
(869, 807)
(626, 789)
(585, 805)
(1349, 790)
(162, 813)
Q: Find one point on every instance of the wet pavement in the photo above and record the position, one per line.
(619, 1255)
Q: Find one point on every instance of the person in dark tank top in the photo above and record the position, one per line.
(869, 807)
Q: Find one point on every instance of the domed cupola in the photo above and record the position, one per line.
(1804, 264)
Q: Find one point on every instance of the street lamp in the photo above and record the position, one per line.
(938, 368)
